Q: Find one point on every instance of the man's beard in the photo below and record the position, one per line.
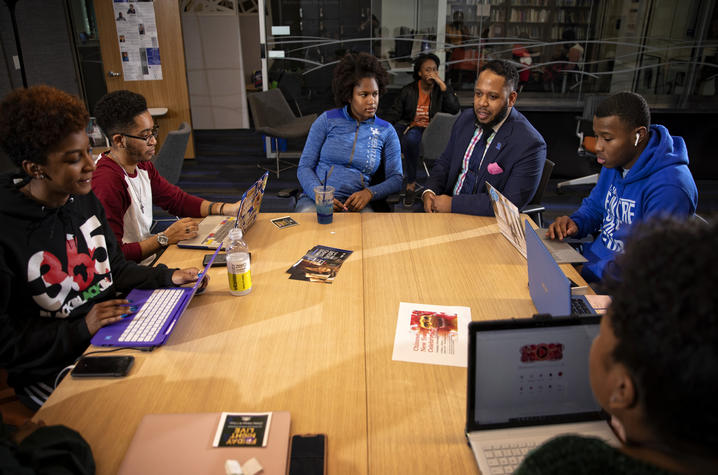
(496, 120)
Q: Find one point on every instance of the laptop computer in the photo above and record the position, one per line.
(549, 287)
(509, 220)
(528, 382)
(182, 443)
(158, 311)
(214, 229)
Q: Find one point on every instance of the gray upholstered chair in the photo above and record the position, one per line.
(273, 117)
(436, 137)
(171, 157)
(535, 208)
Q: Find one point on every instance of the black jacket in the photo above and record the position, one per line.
(403, 110)
(55, 264)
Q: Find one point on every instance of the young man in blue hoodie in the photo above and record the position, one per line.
(645, 172)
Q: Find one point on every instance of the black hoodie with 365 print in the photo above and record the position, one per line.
(55, 264)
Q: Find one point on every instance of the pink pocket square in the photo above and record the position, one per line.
(494, 168)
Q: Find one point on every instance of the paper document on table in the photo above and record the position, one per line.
(243, 430)
(432, 334)
(319, 264)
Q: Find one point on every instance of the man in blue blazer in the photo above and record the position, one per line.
(492, 143)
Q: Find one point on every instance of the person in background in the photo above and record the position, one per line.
(645, 172)
(60, 265)
(358, 153)
(654, 364)
(494, 143)
(128, 185)
(412, 110)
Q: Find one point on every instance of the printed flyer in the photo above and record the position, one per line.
(137, 36)
(432, 334)
(243, 430)
(319, 264)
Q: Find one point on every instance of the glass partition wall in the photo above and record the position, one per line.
(564, 49)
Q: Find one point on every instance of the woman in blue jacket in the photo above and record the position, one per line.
(350, 145)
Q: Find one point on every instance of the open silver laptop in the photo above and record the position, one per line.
(509, 220)
(528, 382)
(214, 229)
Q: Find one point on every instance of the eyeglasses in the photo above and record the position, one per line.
(155, 133)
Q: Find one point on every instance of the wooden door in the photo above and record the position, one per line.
(171, 91)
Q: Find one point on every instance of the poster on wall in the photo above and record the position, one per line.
(137, 35)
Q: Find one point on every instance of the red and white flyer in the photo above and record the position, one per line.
(432, 334)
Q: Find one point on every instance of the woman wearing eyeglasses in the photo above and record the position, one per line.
(128, 185)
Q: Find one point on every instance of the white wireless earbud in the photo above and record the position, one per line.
(638, 136)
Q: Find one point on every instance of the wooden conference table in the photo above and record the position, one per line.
(321, 352)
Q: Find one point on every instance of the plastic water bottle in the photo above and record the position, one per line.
(240, 279)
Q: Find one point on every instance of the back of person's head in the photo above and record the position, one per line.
(506, 70)
(116, 111)
(35, 120)
(352, 68)
(630, 107)
(664, 315)
(421, 59)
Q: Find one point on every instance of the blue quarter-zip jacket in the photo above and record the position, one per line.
(355, 150)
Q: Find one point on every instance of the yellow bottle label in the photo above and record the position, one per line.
(240, 282)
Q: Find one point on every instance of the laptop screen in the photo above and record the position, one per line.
(531, 373)
(550, 289)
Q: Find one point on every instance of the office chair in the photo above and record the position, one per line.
(586, 144)
(534, 208)
(169, 162)
(436, 137)
(273, 117)
(291, 86)
(170, 159)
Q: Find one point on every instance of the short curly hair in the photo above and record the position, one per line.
(352, 68)
(35, 120)
(506, 70)
(116, 111)
(630, 107)
(664, 314)
(421, 59)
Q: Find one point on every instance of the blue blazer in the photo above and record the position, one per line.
(517, 148)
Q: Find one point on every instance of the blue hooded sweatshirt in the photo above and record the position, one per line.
(659, 182)
(355, 150)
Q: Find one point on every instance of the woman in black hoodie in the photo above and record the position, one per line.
(60, 265)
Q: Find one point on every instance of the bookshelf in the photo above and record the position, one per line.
(541, 20)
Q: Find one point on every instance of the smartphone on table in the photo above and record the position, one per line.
(103, 366)
(308, 455)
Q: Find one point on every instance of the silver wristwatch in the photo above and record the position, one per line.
(162, 239)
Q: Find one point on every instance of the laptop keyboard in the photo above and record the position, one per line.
(505, 458)
(152, 316)
(579, 307)
(222, 232)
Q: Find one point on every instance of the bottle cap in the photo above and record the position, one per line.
(235, 233)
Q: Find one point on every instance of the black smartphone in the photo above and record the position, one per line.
(102, 366)
(219, 261)
(308, 455)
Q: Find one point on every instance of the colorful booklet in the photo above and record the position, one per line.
(319, 264)
(242, 430)
(432, 334)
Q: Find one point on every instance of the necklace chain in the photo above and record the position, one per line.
(138, 194)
